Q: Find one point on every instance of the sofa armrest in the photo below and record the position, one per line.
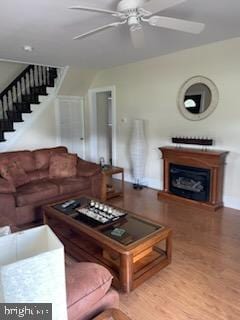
(96, 185)
(6, 186)
(87, 168)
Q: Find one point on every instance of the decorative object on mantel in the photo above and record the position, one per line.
(193, 176)
(193, 140)
(138, 152)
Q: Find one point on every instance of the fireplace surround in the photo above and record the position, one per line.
(193, 176)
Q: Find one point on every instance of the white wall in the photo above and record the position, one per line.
(77, 82)
(41, 133)
(8, 72)
(149, 90)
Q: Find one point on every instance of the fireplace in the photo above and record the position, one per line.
(193, 176)
(190, 182)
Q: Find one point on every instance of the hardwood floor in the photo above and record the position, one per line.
(203, 281)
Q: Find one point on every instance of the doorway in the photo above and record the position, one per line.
(70, 124)
(103, 125)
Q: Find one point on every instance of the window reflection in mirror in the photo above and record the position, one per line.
(197, 98)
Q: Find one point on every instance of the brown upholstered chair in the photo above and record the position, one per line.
(88, 285)
(89, 290)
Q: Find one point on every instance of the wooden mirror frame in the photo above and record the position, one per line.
(181, 95)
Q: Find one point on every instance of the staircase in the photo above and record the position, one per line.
(22, 94)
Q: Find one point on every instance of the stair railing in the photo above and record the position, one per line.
(33, 76)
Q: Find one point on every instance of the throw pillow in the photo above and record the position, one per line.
(12, 171)
(63, 165)
(42, 156)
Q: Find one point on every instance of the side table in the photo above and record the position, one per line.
(108, 190)
(112, 314)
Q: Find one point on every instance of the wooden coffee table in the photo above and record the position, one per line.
(143, 249)
(112, 314)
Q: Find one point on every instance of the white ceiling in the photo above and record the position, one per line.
(49, 26)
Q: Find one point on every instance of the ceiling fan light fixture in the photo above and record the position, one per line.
(136, 27)
(133, 20)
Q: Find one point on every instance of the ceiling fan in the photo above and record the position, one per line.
(136, 12)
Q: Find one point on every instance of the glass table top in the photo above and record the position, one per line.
(129, 229)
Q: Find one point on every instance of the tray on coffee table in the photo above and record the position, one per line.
(90, 211)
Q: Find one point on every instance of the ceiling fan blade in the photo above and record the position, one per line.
(107, 26)
(154, 6)
(137, 37)
(176, 24)
(94, 10)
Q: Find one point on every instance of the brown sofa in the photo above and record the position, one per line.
(22, 204)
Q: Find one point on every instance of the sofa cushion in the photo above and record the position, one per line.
(25, 158)
(63, 165)
(35, 191)
(86, 283)
(42, 156)
(12, 171)
(6, 186)
(72, 185)
(38, 175)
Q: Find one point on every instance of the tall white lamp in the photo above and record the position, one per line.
(32, 270)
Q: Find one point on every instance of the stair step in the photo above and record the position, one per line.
(14, 116)
(31, 98)
(2, 136)
(53, 72)
(23, 107)
(51, 83)
(6, 125)
(41, 90)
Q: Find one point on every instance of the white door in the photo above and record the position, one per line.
(70, 123)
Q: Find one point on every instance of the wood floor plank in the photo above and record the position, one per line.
(203, 281)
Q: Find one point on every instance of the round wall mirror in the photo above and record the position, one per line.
(197, 98)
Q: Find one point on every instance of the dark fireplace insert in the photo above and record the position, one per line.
(190, 182)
